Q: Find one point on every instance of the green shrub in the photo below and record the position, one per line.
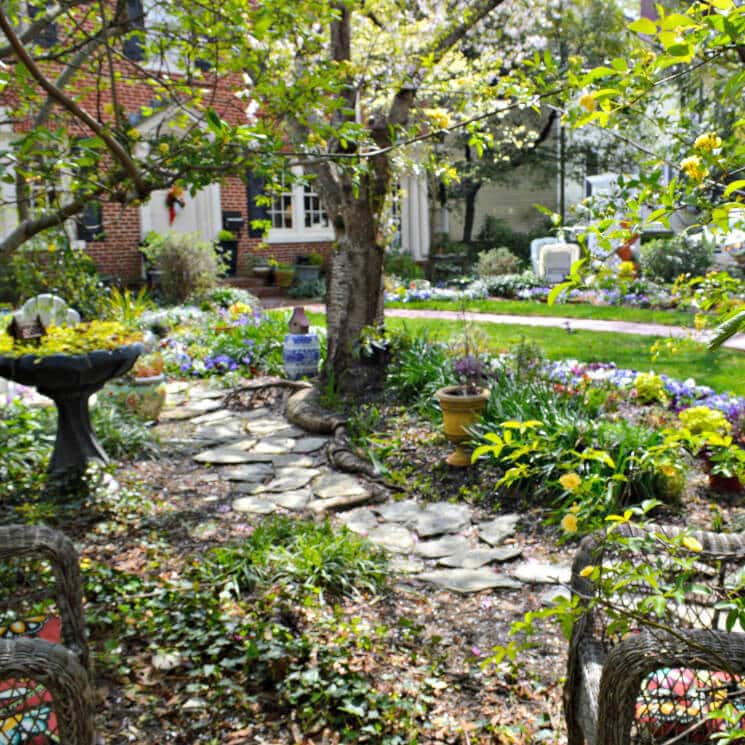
(497, 261)
(188, 265)
(50, 264)
(496, 232)
(308, 288)
(307, 555)
(402, 265)
(665, 259)
(508, 285)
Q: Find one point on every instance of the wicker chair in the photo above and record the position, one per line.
(641, 670)
(28, 554)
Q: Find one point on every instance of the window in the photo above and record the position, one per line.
(134, 46)
(296, 214)
(47, 36)
(90, 223)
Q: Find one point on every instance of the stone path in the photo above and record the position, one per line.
(276, 467)
(584, 324)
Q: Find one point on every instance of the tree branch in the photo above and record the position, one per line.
(72, 107)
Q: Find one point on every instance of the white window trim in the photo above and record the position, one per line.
(300, 234)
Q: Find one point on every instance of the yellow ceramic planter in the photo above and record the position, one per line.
(460, 411)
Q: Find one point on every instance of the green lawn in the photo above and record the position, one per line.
(565, 310)
(723, 370)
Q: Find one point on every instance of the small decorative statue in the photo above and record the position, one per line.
(299, 323)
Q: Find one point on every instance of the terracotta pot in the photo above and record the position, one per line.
(460, 411)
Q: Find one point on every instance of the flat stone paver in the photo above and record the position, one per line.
(446, 546)
(477, 557)
(405, 564)
(309, 444)
(296, 460)
(288, 479)
(220, 431)
(212, 417)
(468, 580)
(442, 517)
(395, 538)
(405, 511)
(271, 446)
(266, 427)
(296, 499)
(332, 484)
(223, 456)
(496, 531)
(249, 472)
(254, 505)
(539, 573)
(359, 520)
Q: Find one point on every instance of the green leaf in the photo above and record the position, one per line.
(643, 26)
(556, 290)
(734, 186)
(681, 50)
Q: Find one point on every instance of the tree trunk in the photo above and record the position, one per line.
(470, 190)
(355, 296)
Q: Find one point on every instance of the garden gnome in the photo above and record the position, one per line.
(299, 323)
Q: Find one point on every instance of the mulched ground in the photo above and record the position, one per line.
(438, 640)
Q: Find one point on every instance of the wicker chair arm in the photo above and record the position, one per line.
(42, 542)
(633, 659)
(59, 671)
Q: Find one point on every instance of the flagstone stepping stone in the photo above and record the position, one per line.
(288, 479)
(405, 511)
(446, 546)
(292, 459)
(442, 517)
(190, 411)
(554, 595)
(249, 472)
(496, 531)
(255, 505)
(274, 446)
(394, 538)
(468, 580)
(264, 427)
(334, 484)
(223, 456)
(309, 444)
(540, 573)
(204, 530)
(360, 520)
(198, 394)
(405, 564)
(220, 432)
(212, 417)
(177, 386)
(477, 557)
(296, 499)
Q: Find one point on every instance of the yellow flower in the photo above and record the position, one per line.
(574, 509)
(587, 101)
(85, 563)
(692, 544)
(570, 481)
(692, 168)
(709, 141)
(569, 523)
(587, 571)
(439, 117)
(133, 134)
(163, 147)
(51, 247)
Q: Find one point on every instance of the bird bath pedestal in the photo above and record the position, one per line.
(69, 380)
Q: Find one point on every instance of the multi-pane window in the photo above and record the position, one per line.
(296, 214)
(314, 214)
